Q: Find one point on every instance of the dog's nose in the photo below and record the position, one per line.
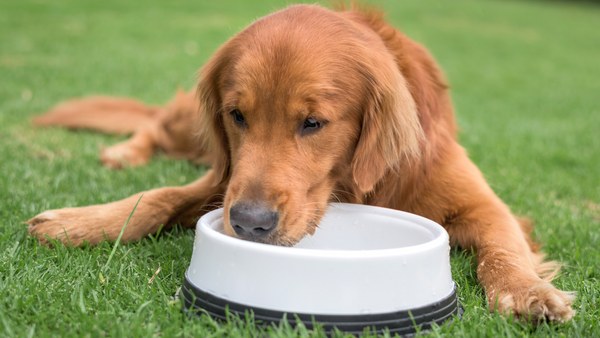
(251, 220)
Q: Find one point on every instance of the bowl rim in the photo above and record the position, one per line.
(440, 236)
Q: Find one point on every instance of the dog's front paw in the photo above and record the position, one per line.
(538, 301)
(56, 224)
(71, 225)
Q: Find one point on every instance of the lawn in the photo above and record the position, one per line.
(525, 84)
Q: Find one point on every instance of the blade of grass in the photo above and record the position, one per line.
(121, 235)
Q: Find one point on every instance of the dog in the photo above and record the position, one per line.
(306, 106)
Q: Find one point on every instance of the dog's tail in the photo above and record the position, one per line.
(105, 114)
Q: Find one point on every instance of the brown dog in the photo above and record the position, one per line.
(304, 107)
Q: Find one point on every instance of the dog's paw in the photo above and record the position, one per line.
(123, 155)
(69, 226)
(541, 301)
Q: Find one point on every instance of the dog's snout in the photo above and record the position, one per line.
(252, 221)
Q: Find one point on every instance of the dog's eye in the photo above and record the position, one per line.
(310, 126)
(237, 116)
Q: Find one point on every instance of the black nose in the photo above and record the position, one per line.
(252, 220)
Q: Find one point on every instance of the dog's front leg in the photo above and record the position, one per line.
(513, 274)
(514, 277)
(157, 207)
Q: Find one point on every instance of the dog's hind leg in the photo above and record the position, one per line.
(110, 115)
(174, 131)
(171, 128)
(156, 208)
(106, 114)
(134, 152)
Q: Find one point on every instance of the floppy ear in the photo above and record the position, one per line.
(391, 132)
(212, 132)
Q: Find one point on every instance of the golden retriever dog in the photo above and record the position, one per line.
(304, 107)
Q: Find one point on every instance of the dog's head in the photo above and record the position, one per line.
(295, 104)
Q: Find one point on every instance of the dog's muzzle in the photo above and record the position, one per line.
(252, 220)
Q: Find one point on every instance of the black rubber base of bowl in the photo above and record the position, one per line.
(404, 323)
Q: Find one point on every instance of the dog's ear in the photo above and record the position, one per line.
(391, 132)
(212, 132)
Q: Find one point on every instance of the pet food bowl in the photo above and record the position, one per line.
(363, 267)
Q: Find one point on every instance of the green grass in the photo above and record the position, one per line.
(525, 83)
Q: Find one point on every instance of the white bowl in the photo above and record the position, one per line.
(364, 265)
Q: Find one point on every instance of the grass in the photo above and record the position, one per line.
(524, 78)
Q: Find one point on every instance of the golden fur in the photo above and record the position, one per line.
(387, 138)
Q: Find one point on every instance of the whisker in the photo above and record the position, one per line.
(336, 197)
(347, 193)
